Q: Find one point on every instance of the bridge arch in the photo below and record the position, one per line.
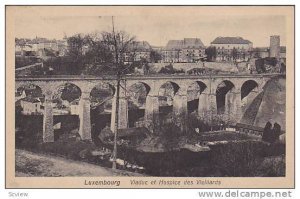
(249, 91)
(65, 107)
(137, 94)
(224, 96)
(102, 89)
(195, 93)
(248, 87)
(166, 95)
(101, 100)
(66, 91)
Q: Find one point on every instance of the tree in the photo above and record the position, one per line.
(260, 65)
(98, 53)
(169, 69)
(282, 68)
(270, 61)
(211, 53)
(155, 56)
(99, 58)
(74, 57)
(234, 54)
(119, 42)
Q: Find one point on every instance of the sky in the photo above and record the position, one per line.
(158, 30)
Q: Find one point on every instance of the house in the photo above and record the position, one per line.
(31, 106)
(24, 50)
(188, 50)
(138, 51)
(232, 48)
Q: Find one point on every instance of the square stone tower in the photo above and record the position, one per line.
(275, 46)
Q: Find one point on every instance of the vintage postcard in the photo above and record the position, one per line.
(150, 97)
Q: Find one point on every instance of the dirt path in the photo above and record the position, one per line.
(33, 164)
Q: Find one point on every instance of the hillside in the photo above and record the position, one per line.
(268, 105)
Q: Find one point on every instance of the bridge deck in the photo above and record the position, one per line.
(138, 77)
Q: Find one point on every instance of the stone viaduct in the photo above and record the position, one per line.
(237, 91)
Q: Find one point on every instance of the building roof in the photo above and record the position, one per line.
(230, 40)
(192, 42)
(30, 99)
(185, 43)
(141, 46)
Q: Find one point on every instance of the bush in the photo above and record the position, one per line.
(169, 69)
(272, 166)
(238, 158)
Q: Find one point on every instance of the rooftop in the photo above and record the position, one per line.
(185, 43)
(230, 40)
(140, 46)
(30, 99)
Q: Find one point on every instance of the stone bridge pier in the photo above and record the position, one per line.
(85, 115)
(180, 108)
(123, 109)
(48, 132)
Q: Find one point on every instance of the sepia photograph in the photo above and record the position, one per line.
(150, 96)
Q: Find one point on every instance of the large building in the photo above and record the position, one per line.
(232, 48)
(188, 50)
(138, 51)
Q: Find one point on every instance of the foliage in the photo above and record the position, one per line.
(211, 53)
(270, 61)
(94, 54)
(273, 166)
(238, 158)
(234, 53)
(68, 92)
(261, 64)
(169, 69)
(155, 56)
(282, 68)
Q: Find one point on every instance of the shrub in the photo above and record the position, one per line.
(238, 158)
